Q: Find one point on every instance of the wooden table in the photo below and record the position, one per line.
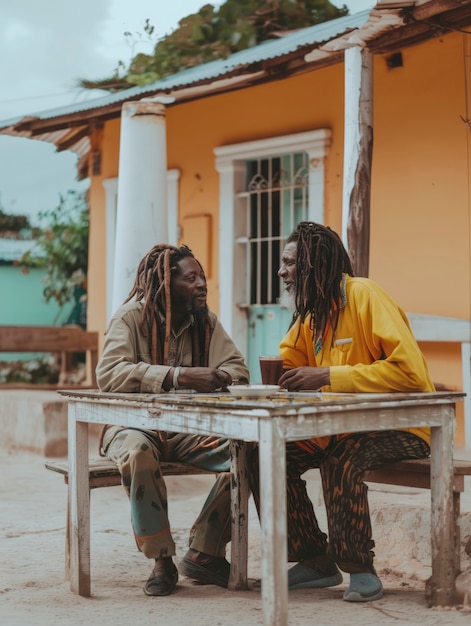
(270, 423)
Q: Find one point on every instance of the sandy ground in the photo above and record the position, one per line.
(33, 591)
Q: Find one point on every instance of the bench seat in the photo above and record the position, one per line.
(416, 473)
(413, 473)
(63, 341)
(105, 473)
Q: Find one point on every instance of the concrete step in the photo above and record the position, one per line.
(35, 421)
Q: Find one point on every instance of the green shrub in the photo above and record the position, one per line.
(37, 371)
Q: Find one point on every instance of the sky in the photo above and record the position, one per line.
(46, 46)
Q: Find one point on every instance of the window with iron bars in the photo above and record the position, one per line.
(276, 198)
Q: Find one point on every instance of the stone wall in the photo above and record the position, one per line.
(36, 421)
(400, 518)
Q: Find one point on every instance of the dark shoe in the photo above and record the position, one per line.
(163, 578)
(207, 570)
(321, 573)
(364, 587)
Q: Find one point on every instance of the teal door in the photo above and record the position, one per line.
(267, 326)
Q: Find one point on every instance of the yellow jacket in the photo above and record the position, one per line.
(373, 350)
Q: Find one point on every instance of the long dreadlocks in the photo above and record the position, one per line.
(152, 286)
(321, 261)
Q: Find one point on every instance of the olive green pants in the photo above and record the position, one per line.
(138, 454)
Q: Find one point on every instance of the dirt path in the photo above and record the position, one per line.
(33, 591)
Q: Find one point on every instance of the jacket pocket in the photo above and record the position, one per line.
(340, 350)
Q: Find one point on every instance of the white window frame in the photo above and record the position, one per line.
(231, 166)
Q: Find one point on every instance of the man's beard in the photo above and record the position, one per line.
(287, 301)
(199, 312)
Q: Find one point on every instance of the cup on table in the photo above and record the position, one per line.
(271, 368)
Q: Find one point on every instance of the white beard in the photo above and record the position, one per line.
(287, 301)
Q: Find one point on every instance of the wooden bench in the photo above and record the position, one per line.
(104, 473)
(411, 473)
(61, 340)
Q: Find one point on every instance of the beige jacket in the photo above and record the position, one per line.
(124, 365)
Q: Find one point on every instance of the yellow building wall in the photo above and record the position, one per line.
(420, 219)
(420, 216)
(420, 230)
(96, 312)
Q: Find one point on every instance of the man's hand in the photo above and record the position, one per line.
(307, 378)
(203, 379)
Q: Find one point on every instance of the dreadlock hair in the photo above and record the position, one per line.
(321, 261)
(152, 286)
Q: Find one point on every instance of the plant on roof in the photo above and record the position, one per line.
(13, 223)
(214, 33)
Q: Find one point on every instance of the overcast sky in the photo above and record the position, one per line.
(45, 47)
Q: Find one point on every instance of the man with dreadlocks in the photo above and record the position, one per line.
(163, 337)
(347, 335)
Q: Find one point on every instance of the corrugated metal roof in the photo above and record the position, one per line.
(308, 48)
(304, 38)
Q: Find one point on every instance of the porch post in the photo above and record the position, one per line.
(358, 150)
(141, 219)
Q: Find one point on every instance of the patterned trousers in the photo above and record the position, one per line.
(138, 454)
(342, 463)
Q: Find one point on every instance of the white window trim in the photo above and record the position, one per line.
(111, 204)
(173, 178)
(230, 163)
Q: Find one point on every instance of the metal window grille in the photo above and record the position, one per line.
(276, 200)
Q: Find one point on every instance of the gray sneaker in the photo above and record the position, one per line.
(364, 587)
(300, 576)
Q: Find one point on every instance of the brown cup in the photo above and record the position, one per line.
(271, 368)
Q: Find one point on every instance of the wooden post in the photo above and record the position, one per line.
(239, 515)
(440, 587)
(273, 521)
(358, 150)
(79, 499)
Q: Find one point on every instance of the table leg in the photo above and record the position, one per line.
(273, 523)
(79, 492)
(239, 516)
(440, 588)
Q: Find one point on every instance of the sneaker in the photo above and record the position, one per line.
(364, 587)
(324, 573)
(205, 569)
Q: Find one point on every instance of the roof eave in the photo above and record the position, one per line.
(388, 26)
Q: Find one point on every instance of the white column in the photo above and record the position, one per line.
(141, 220)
